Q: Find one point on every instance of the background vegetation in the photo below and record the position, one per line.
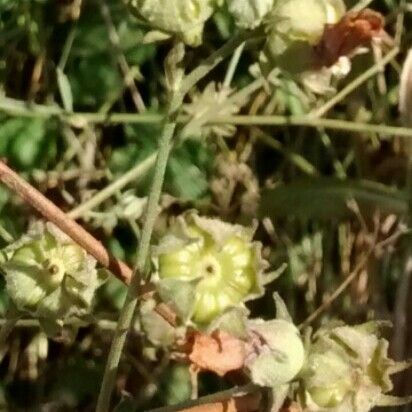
(332, 203)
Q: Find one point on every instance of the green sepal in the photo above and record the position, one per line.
(156, 329)
(180, 295)
(233, 321)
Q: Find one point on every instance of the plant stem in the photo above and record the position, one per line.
(310, 121)
(295, 158)
(215, 58)
(20, 108)
(6, 329)
(128, 77)
(12, 106)
(376, 68)
(126, 314)
(55, 215)
(132, 175)
(177, 94)
(105, 324)
(234, 61)
(341, 288)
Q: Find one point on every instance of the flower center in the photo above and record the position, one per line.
(55, 268)
(210, 266)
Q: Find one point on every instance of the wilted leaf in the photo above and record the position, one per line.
(353, 30)
(218, 352)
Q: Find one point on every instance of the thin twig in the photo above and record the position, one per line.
(234, 61)
(295, 158)
(121, 59)
(132, 175)
(20, 108)
(55, 215)
(215, 58)
(342, 287)
(34, 323)
(376, 68)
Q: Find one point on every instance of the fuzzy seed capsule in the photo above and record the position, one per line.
(219, 260)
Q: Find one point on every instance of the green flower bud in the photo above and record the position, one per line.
(182, 18)
(50, 276)
(216, 260)
(277, 353)
(294, 27)
(348, 369)
(249, 13)
(331, 392)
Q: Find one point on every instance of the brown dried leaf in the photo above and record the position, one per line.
(246, 403)
(218, 352)
(292, 407)
(355, 29)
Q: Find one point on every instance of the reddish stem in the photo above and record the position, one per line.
(55, 215)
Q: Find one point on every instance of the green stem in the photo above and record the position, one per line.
(296, 121)
(310, 121)
(16, 107)
(215, 58)
(295, 158)
(376, 68)
(34, 323)
(132, 175)
(234, 61)
(165, 145)
(126, 314)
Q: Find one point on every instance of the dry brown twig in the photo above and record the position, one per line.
(55, 215)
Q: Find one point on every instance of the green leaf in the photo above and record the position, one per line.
(176, 386)
(27, 142)
(327, 198)
(95, 81)
(187, 173)
(65, 90)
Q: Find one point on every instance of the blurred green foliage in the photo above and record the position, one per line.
(52, 56)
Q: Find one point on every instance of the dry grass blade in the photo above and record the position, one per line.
(405, 91)
(343, 286)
